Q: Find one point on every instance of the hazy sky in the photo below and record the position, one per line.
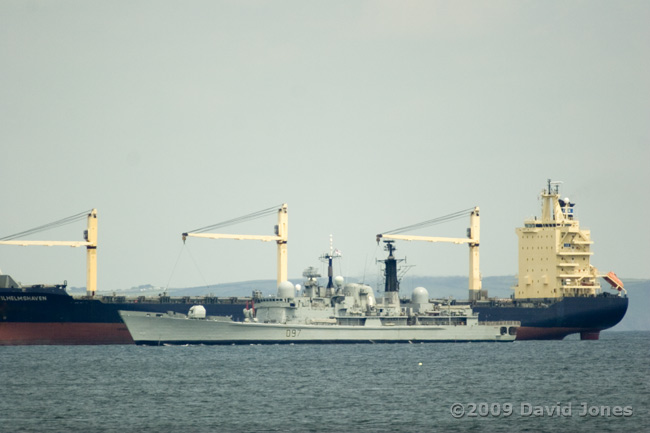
(363, 116)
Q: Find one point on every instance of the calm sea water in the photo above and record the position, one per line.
(330, 388)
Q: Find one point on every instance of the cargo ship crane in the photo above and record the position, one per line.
(90, 236)
(281, 236)
(473, 240)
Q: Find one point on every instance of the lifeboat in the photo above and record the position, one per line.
(614, 281)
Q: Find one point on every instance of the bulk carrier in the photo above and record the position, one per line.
(557, 294)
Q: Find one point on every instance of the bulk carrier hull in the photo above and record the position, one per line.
(554, 320)
(44, 317)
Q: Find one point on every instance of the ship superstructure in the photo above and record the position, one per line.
(555, 253)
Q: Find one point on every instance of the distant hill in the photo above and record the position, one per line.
(438, 287)
(636, 318)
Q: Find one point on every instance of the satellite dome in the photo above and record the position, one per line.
(197, 312)
(338, 281)
(420, 295)
(286, 290)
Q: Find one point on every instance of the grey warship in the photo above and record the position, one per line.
(338, 313)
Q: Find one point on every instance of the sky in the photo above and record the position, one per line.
(362, 116)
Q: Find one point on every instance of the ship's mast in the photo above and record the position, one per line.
(329, 257)
(391, 283)
(391, 280)
(551, 209)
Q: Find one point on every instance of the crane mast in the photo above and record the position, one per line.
(90, 243)
(473, 240)
(281, 238)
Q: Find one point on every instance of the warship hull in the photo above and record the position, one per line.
(157, 329)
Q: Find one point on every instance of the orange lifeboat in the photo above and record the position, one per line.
(614, 281)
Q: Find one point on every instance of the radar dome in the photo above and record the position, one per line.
(197, 312)
(338, 281)
(420, 295)
(286, 290)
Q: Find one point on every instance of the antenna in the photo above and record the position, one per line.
(556, 184)
(330, 269)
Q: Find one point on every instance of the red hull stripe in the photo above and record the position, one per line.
(13, 334)
(532, 333)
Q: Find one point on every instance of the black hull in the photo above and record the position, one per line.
(49, 308)
(554, 320)
(51, 317)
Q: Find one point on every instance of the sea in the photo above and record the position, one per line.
(525, 386)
